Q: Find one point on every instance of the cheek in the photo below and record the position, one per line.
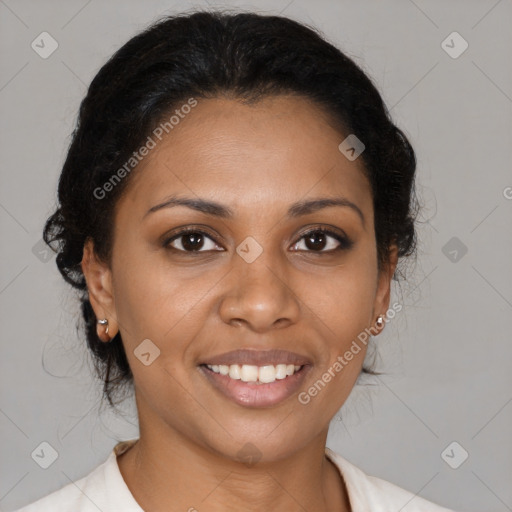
(159, 301)
(148, 299)
(343, 300)
(154, 305)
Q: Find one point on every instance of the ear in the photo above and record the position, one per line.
(98, 277)
(383, 292)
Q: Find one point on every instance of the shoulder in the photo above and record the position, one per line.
(371, 493)
(102, 489)
(80, 496)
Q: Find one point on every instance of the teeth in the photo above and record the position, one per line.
(281, 371)
(234, 371)
(250, 373)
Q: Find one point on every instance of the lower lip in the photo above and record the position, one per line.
(252, 394)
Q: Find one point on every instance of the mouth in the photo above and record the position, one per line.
(257, 374)
(255, 386)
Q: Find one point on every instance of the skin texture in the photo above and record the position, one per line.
(258, 160)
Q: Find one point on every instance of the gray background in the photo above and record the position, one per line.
(448, 352)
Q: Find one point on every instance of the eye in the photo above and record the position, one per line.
(319, 240)
(191, 240)
(323, 240)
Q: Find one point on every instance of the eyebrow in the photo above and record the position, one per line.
(218, 210)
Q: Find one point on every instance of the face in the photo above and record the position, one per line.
(255, 273)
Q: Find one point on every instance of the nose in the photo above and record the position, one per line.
(259, 296)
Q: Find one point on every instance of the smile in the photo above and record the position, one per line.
(256, 386)
(251, 373)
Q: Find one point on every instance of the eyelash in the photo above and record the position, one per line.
(344, 242)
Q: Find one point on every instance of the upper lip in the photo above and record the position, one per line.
(258, 358)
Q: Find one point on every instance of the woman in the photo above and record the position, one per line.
(233, 207)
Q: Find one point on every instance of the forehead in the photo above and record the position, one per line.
(270, 153)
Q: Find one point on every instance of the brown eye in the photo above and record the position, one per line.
(323, 240)
(191, 240)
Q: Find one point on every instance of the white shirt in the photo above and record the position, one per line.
(104, 489)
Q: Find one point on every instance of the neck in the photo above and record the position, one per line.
(172, 473)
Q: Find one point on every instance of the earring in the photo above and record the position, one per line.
(380, 321)
(104, 322)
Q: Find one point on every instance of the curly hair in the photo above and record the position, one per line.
(206, 54)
